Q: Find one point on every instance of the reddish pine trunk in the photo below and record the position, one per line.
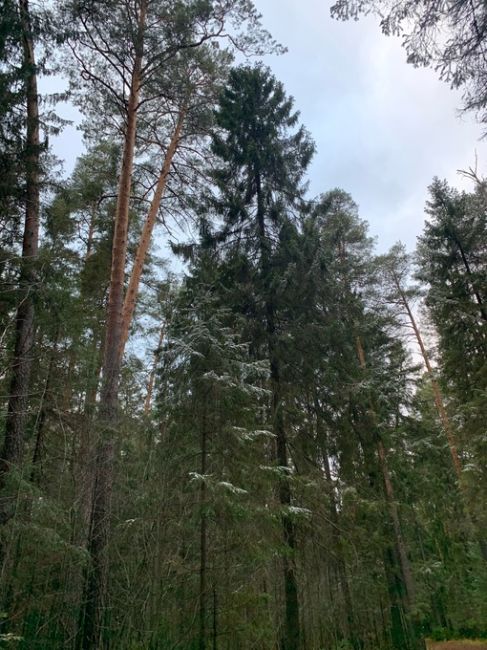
(440, 407)
(96, 581)
(13, 447)
(145, 238)
(445, 420)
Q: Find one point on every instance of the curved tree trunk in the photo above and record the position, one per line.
(444, 419)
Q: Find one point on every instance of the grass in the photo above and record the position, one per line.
(457, 645)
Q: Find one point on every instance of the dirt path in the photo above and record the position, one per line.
(457, 645)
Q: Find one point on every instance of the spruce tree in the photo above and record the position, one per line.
(261, 156)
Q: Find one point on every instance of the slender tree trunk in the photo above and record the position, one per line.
(85, 452)
(152, 376)
(402, 555)
(440, 407)
(215, 620)
(145, 238)
(338, 549)
(91, 234)
(443, 415)
(68, 385)
(203, 542)
(13, 446)
(96, 581)
(36, 470)
(291, 634)
(468, 270)
(406, 586)
(291, 637)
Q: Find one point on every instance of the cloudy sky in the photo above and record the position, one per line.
(382, 128)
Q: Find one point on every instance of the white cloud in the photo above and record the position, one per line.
(383, 129)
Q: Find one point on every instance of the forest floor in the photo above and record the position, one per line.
(457, 645)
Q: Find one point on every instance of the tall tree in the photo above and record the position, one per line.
(395, 267)
(127, 73)
(261, 160)
(12, 450)
(451, 262)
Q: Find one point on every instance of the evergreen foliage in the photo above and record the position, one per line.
(268, 463)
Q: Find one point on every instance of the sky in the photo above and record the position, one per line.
(382, 128)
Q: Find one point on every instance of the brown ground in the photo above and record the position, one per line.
(457, 645)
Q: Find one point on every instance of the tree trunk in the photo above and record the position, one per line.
(91, 233)
(145, 238)
(152, 376)
(466, 265)
(290, 637)
(85, 452)
(13, 446)
(215, 620)
(406, 573)
(444, 419)
(403, 587)
(341, 568)
(96, 580)
(203, 542)
(291, 634)
(36, 470)
(440, 407)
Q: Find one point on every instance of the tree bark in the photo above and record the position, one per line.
(145, 238)
(96, 579)
(13, 446)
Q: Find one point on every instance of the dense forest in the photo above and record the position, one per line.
(275, 439)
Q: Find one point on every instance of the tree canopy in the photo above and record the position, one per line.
(276, 437)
